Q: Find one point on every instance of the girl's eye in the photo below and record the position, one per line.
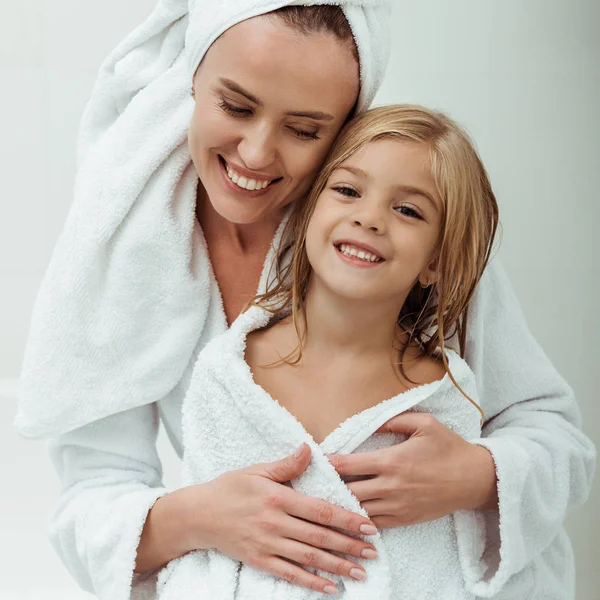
(344, 190)
(408, 211)
(304, 135)
(235, 111)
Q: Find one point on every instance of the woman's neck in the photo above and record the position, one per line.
(243, 239)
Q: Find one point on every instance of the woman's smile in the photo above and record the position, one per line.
(243, 182)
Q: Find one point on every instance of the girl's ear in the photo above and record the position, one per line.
(429, 275)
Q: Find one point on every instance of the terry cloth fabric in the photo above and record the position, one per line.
(230, 423)
(111, 473)
(124, 300)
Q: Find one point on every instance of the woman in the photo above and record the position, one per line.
(127, 304)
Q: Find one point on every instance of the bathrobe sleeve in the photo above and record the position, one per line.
(111, 476)
(544, 463)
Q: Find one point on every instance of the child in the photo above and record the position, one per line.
(390, 245)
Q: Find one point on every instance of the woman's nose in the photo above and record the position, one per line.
(258, 147)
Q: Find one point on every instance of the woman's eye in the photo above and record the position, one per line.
(408, 211)
(304, 135)
(344, 190)
(235, 111)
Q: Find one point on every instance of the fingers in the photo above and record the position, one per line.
(362, 463)
(298, 575)
(319, 559)
(324, 513)
(378, 507)
(286, 468)
(408, 423)
(368, 489)
(323, 537)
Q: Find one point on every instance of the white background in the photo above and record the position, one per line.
(523, 77)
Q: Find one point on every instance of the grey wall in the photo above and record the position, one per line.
(523, 78)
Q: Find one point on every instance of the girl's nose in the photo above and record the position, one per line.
(258, 148)
(370, 217)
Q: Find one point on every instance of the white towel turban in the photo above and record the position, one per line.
(120, 309)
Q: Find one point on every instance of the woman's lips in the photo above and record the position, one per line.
(240, 190)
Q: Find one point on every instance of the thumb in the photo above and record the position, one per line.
(409, 423)
(288, 467)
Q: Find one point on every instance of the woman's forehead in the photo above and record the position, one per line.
(279, 65)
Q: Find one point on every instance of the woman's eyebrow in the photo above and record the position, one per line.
(238, 89)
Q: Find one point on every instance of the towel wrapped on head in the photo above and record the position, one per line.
(124, 300)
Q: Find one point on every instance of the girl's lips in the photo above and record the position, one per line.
(237, 189)
(355, 261)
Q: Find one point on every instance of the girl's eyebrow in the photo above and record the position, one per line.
(407, 189)
(238, 89)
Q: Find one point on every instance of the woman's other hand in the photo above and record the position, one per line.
(432, 474)
(248, 515)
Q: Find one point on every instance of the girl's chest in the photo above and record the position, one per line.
(321, 402)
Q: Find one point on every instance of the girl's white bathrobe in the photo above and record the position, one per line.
(229, 422)
(111, 472)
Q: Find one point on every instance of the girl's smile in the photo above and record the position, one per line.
(381, 215)
(358, 254)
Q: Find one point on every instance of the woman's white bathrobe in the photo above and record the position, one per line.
(112, 474)
(229, 422)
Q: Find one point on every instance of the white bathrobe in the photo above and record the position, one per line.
(112, 474)
(230, 423)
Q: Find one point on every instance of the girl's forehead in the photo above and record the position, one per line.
(396, 156)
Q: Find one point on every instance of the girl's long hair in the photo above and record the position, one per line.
(432, 315)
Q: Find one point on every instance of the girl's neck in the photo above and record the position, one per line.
(351, 326)
(251, 238)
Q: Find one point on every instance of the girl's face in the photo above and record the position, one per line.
(376, 225)
(269, 104)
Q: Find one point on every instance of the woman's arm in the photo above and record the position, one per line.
(116, 525)
(544, 463)
(111, 477)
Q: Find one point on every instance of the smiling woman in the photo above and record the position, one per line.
(267, 116)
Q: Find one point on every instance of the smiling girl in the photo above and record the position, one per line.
(390, 245)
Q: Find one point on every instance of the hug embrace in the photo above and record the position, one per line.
(303, 291)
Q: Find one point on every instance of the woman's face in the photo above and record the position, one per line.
(269, 104)
(376, 224)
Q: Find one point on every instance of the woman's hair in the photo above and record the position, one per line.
(430, 315)
(318, 19)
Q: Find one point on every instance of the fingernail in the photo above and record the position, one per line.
(358, 574)
(368, 529)
(329, 589)
(369, 553)
(299, 451)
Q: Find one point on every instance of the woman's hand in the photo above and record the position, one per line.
(250, 516)
(430, 475)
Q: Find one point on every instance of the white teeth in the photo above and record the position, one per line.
(245, 183)
(360, 254)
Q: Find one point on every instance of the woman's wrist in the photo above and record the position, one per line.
(169, 531)
(484, 470)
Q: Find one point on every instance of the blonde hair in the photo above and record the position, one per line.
(430, 315)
